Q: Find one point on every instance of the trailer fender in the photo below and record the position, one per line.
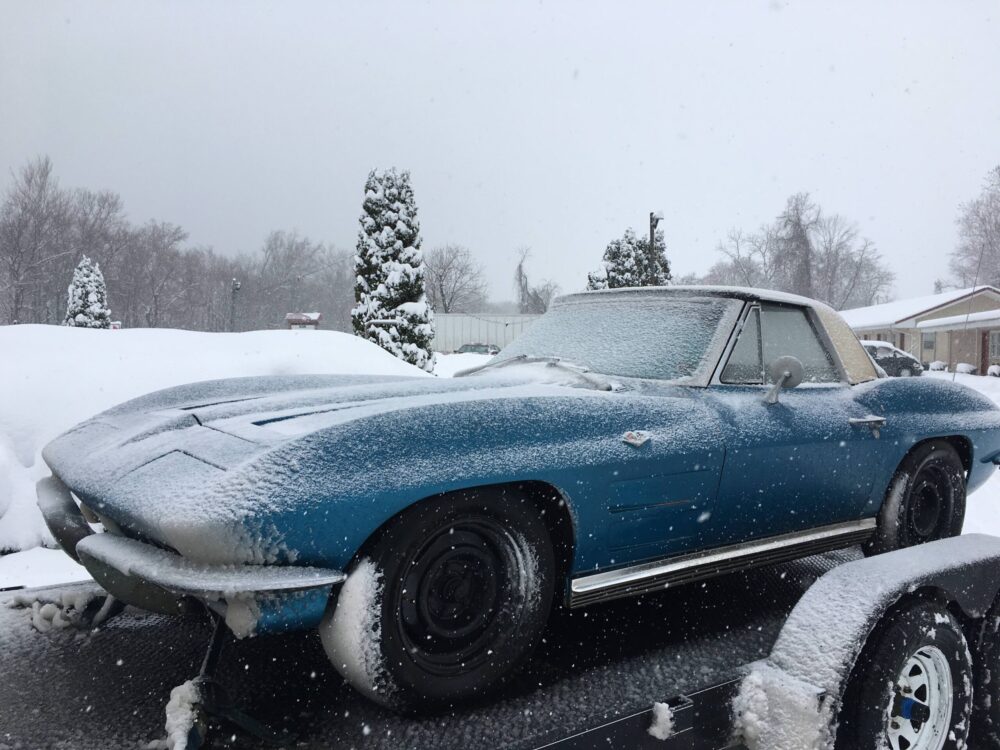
(790, 700)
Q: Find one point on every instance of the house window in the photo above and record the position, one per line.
(994, 345)
(929, 341)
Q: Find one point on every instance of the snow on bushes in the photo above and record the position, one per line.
(53, 377)
(994, 370)
(392, 309)
(965, 368)
(87, 306)
(937, 366)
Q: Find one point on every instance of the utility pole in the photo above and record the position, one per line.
(655, 217)
(232, 305)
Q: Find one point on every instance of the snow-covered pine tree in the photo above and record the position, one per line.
(392, 308)
(87, 306)
(629, 261)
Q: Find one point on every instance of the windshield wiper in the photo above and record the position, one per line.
(582, 372)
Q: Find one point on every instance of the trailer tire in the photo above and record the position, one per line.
(986, 722)
(911, 688)
(925, 500)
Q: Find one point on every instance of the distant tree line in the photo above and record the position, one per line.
(154, 279)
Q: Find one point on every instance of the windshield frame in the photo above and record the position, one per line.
(714, 352)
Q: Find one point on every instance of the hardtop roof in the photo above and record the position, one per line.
(731, 292)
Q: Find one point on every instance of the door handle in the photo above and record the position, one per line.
(876, 423)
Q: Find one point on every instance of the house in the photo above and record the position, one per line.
(308, 321)
(959, 325)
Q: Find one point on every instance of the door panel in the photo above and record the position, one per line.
(791, 465)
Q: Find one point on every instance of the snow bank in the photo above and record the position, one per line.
(449, 364)
(52, 377)
(39, 567)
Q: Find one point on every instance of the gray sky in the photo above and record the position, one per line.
(552, 125)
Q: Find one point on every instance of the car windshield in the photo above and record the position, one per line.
(665, 337)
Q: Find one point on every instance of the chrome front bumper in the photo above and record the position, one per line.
(253, 598)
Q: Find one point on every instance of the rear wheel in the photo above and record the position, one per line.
(911, 689)
(450, 599)
(925, 501)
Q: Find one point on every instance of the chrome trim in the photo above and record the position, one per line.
(672, 571)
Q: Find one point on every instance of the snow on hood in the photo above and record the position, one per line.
(154, 464)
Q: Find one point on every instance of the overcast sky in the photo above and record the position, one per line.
(551, 125)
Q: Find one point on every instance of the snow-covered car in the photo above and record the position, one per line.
(894, 361)
(630, 440)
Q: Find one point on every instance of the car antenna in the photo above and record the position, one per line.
(968, 314)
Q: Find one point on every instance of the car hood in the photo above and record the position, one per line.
(149, 465)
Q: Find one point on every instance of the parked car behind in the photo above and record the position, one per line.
(478, 349)
(894, 361)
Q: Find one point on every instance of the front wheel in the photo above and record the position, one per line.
(906, 372)
(912, 686)
(925, 501)
(449, 600)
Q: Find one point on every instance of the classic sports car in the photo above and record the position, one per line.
(630, 440)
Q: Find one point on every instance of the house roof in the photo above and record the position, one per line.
(984, 319)
(891, 314)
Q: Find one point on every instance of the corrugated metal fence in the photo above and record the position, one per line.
(454, 329)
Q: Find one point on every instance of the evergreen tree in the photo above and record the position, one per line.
(629, 261)
(392, 308)
(87, 306)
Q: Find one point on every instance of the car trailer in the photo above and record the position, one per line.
(810, 654)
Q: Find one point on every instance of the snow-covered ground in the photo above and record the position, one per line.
(54, 377)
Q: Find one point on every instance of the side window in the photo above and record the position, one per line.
(745, 364)
(787, 331)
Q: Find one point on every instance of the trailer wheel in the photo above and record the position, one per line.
(449, 601)
(925, 501)
(986, 727)
(912, 686)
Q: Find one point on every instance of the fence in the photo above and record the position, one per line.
(454, 329)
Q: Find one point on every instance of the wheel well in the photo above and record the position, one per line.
(961, 444)
(552, 509)
(558, 519)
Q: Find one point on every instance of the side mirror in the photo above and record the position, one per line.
(785, 372)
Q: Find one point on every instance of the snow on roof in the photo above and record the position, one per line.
(974, 320)
(738, 292)
(890, 313)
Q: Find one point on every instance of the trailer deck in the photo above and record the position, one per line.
(108, 688)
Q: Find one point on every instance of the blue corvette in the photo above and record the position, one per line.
(629, 441)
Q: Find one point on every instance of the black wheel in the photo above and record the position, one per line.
(912, 686)
(925, 500)
(986, 725)
(447, 602)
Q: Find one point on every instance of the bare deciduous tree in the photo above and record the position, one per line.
(454, 280)
(532, 298)
(978, 252)
(806, 252)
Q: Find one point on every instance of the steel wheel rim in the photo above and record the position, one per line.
(930, 498)
(454, 591)
(919, 714)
